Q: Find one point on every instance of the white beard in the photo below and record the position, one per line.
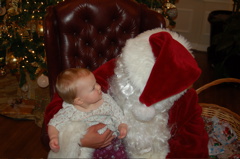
(148, 133)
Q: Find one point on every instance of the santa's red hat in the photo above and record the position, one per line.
(164, 66)
(174, 70)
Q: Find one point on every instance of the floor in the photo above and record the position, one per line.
(21, 138)
(226, 95)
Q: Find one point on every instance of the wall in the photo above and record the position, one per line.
(192, 20)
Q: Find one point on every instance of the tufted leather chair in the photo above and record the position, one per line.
(88, 33)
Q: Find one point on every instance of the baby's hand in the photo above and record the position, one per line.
(54, 145)
(122, 128)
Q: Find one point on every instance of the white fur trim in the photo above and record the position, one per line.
(143, 113)
(69, 141)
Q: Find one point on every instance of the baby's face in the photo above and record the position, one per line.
(89, 91)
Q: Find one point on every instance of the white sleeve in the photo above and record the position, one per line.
(61, 117)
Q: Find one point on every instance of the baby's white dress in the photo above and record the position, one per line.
(72, 125)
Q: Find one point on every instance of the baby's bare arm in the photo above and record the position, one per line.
(122, 128)
(54, 139)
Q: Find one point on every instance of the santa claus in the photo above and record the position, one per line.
(151, 81)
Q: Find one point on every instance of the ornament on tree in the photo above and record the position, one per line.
(25, 87)
(11, 61)
(43, 81)
(3, 72)
(170, 10)
(13, 8)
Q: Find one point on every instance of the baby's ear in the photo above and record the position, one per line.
(77, 101)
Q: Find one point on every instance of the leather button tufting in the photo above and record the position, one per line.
(87, 33)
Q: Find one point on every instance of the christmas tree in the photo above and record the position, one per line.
(21, 38)
(21, 34)
(165, 7)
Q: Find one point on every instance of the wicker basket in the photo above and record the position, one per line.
(210, 110)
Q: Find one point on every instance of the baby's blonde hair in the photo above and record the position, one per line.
(66, 83)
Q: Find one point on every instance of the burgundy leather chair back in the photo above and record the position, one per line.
(88, 33)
